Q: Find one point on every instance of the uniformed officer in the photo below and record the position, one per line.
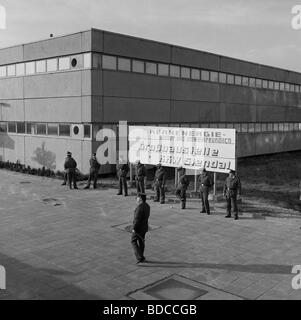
(140, 176)
(232, 189)
(122, 171)
(160, 178)
(182, 187)
(93, 174)
(70, 168)
(206, 184)
(140, 227)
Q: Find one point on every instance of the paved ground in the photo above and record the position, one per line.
(60, 244)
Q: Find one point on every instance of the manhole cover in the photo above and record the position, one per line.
(51, 201)
(128, 227)
(25, 182)
(178, 287)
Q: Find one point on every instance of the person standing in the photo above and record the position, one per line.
(140, 227)
(182, 187)
(232, 189)
(93, 174)
(140, 176)
(70, 168)
(122, 171)
(206, 183)
(160, 178)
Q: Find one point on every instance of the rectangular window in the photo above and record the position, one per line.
(185, 72)
(109, 62)
(150, 68)
(52, 129)
(287, 87)
(3, 126)
(20, 127)
(237, 127)
(291, 127)
(41, 66)
(12, 127)
(205, 75)
(230, 78)
(51, 65)
(30, 128)
(64, 130)
(271, 85)
(251, 127)
(222, 77)
(270, 127)
(244, 127)
(237, 80)
(213, 125)
(222, 125)
(257, 127)
(20, 69)
(281, 126)
(30, 68)
(96, 61)
(64, 63)
(138, 66)
(87, 131)
(195, 74)
(258, 83)
(175, 71)
(292, 87)
(264, 127)
(3, 71)
(87, 60)
(11, 70)
(276, 85)
(275, 127)
(252, 82)
(296, 88)
(281, 86)
(245, 81)
(163, 69)
(213, 76)
(41, 128)
(124, 64)
(296, 126)
(299, 126)
(230, 125)
(264, 84)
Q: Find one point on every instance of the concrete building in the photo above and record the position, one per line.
(56, 94)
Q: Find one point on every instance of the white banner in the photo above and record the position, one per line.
(191, 148)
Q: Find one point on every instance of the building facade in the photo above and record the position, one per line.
(56, 95)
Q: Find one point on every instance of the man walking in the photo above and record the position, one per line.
(93, 174)
(70, 168)
(182, 187)
(140, 176)
(122, 171)
(232, 189)
(206, 184)
(140, 227)
(160, 177)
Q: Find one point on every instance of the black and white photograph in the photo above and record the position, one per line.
(150, 151)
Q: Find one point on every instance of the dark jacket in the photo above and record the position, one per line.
(70, 164)
(232, 186)
(160, 176)
(205, 181)
(183, 181)
(141, 215)
(122, 170)
(94, 165)
(140, 171)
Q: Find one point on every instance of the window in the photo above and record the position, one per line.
(213, 125)
(264, 84)
(296, 126)
(281, 86)
(52, 129)
(205, 75)
(291, 127)
(87, 60)
(213, 76)
(64, 130)
(20, 69)
(138, 66)
(296, 88)
(52, 65)
(20, 127)
(30, 128)
(252, 82)
(245, 81)
(264, 127)
(151, 68)
(195, 74)
(109, 62)
(292, 87)
(87, 131)
(185, 72)
(237, 127)
(175, 71)
(257, 127)
(12, 127)
(124, 64)
(222, 125)
(275, 126)
(238, 80)
(11, 70)
(276, 85)
(258, 83)
(64, 63)
(230, 125)
(30, 68)
(3, 71)
(244, 127)
(163, 69)
(287, 87)
(41, 66)
(96, 61)
(271, 85)
(251, 127)
(3, 126)
(41, 128)
(230, 78)
(286, 127)
(281, 126)
(222, 78)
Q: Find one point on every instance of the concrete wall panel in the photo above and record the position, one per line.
(11, 88)
(97, 83)
(246, 145)
(238, 67)
(237, 113)
(11, 55)
(237, 94)
(97, 109)
(13, 110)
(270, 114)
(14, 148)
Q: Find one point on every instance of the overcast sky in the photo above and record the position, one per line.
(257, 30)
